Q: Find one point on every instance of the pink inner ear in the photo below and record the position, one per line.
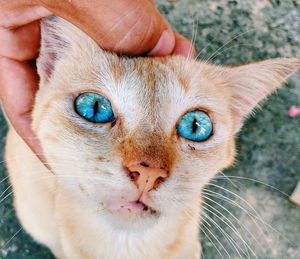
(49, 54)
(244, 103)
(52, 45)
(48, 64)
(251, 83)
(46, 60)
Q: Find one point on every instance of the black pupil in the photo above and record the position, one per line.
(96, 107)
(195, 126)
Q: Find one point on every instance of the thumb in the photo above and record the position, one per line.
(129, 26)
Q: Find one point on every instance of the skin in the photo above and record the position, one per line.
(140, 30)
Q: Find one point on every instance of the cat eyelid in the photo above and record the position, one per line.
(96, 91)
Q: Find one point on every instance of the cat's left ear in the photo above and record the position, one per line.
(249, 84)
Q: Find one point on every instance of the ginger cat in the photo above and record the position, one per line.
(131, 142)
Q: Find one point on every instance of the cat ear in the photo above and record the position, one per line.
(53, 45)
(249, 84)
(58, 38)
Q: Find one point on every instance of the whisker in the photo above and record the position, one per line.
(231, 47)
(231, 241)
(228, 42)
(9, 187)
(253, 217)
(227, 178)
(232, 215)
(224, 45)
(255, 181)
(194, 37)
(6, 196)
(239, 197)
(228, 223)
(14, 235)
(4, 179)
(221, 245)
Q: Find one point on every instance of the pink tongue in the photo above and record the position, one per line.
(134, 205)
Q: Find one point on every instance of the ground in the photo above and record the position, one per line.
(248, 212)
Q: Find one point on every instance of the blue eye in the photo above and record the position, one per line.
(195, 125)
(94, 107)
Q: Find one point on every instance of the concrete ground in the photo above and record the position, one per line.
(248, 214)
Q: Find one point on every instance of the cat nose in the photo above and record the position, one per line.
(146, 177)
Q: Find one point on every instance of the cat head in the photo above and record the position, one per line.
(138, 138)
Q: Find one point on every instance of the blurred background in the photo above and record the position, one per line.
(247, 212)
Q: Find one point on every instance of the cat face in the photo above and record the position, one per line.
(151, 106)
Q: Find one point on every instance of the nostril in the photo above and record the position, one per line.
(163, 167)
(134, 176)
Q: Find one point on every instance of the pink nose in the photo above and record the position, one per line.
(146, 177)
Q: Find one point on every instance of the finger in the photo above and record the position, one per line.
(129, 26)
(18, 84)
(15, 13)
(21, 43)
(183, 47)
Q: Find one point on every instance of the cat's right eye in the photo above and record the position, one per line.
(94, 107)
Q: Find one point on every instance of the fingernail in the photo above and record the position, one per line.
(165, 45)
(184, 47)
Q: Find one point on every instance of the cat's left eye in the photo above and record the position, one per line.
(195, 126)
(94, 107)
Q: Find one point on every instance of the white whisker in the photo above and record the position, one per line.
(14, 235)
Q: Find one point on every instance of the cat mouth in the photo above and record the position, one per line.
(137, 207)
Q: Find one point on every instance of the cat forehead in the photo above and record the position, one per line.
(136, 84)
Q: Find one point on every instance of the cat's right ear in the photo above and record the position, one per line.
(58, 39)
(53, 45)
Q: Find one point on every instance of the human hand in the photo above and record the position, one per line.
(130, 27)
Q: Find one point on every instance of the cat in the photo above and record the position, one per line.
(130, 142)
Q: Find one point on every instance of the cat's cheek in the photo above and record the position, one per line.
(175, 196)
(207, 161)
